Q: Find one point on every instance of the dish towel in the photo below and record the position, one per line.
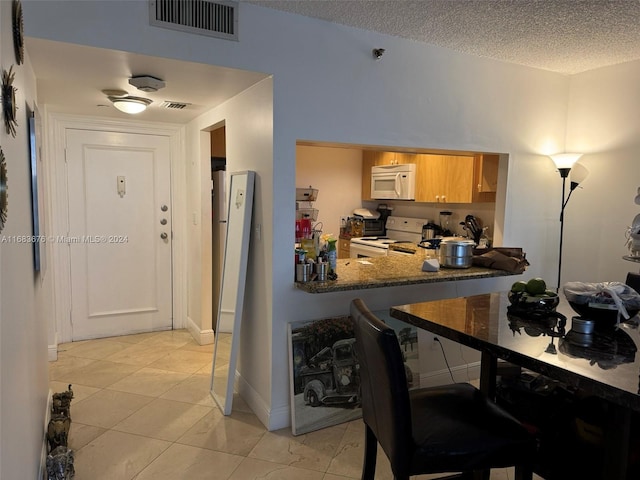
(500, 261)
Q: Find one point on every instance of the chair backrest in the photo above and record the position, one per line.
(633, 280)
(384, 393)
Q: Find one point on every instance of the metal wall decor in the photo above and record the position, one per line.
(18, 27)
(4, 196)
(9, 101)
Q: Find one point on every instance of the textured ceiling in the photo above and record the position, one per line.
(565, 36)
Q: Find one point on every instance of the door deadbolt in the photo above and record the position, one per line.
(163, 236)
(163, 221)
(164, 208)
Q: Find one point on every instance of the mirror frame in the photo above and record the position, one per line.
(234, 273)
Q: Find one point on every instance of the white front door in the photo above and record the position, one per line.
(119, 187)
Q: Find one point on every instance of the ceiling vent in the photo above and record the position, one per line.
(174, 105)
(204, 17)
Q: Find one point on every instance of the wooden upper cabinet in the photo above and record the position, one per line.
(486, 177)
(444, 178)
(440, 178)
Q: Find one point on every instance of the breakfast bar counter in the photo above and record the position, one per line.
(392, 271)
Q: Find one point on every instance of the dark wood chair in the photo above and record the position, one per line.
(453, 428)
(633, 280)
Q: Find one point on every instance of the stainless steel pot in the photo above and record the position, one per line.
(456, 252)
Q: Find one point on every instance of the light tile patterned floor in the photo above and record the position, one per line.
(142, 410)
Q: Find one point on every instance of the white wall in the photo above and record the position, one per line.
(337, 174)
(24, 295)
(326, 87)
(248, 119)
(603, 119)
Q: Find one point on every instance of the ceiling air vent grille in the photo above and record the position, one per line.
(215, 19)
(174, 105)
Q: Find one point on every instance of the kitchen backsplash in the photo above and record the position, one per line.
(482, 211)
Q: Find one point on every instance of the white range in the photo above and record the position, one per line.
(399, 229)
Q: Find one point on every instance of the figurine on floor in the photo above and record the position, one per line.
(62, 402)
(58, 431)
(60, 464)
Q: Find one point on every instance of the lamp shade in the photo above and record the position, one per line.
(131, 105)
(565, 160)
(579, 173)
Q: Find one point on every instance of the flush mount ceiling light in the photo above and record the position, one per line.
(131, 105)
(127, 103)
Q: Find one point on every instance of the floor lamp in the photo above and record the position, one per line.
(564, 163)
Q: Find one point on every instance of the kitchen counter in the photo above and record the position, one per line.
(393, 271)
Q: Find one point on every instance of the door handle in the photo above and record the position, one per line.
(163, 221)
(164, 208)
(163, 236)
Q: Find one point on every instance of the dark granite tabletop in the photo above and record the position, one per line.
(392, 271)
(605, 363)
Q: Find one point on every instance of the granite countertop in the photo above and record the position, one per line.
(393, 271)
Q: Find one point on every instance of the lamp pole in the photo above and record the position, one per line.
(564, 162)
(564, 172)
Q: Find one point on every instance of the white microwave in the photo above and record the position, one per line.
(397, 182)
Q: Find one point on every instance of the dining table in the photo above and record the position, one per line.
(602, 364)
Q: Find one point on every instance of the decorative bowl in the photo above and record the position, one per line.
(533, 305)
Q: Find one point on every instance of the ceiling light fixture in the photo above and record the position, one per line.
(131, 105)
(127, 103)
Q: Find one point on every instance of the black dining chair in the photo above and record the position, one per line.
(633, 281)
(452, 428)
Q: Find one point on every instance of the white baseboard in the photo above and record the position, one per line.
(462, 373)
(42, 475)
(52, 353)
(52, 350)
(271, 419)
(203, 337)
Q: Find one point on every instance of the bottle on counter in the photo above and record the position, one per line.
(332, 254)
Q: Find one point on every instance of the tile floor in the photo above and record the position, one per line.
(142, 410)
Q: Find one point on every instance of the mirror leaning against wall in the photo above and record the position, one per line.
(232, 287)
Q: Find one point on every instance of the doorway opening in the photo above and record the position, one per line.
(218, 213)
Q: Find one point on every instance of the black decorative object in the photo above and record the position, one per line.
(61, 402)
(60, 458)
(58, 431)
(4, 196)
(18, 27)
(9, 101)
(60, 464)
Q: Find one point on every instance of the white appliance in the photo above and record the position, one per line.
(218, 234)
(395, 182)
(399, 229)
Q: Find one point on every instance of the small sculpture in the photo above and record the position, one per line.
(58, 431)
(60, 464)
(62, 402)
